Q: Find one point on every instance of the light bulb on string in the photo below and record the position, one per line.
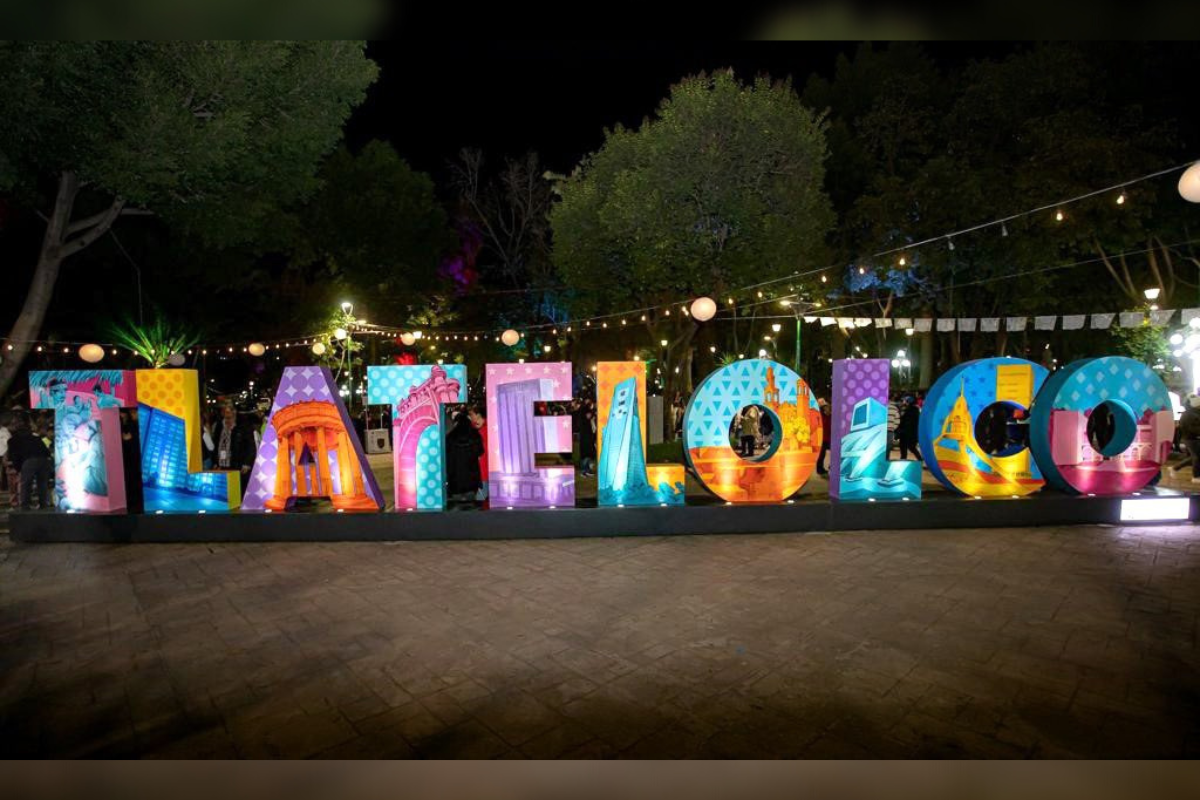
(1058, 216)
(824, 279)
(903, 261)
(950, 244)
(1003, 229)
(1121, 199)
(862, 270)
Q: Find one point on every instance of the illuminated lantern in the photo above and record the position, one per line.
(257, 349)
(310, 449)
(417, 395)
(948, 439)
(774, 475)
(859, 468)
(88, 472)
(408, 339)
(704, 309)
(510, 337)
(516, 436)
(622, 476)
(1117, 453)
(339, 333)
(91, 353)
(1189, 183)
(318, 349)
(173, 475)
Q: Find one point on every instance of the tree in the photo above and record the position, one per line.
(511, 211)
(722, 188)
(375, 223)
(919, 150)
(213, 137)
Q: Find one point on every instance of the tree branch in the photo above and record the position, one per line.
(72, 246)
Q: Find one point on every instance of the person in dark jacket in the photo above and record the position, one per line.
(823, 404)
(583, 420)
(234, 438)
(906, 431)
(464, 446)
(31, 458)
(131, 461)
(1189, 437)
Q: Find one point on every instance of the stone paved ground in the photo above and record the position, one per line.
(1053, 642)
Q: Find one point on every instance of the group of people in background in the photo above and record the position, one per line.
(26, 449)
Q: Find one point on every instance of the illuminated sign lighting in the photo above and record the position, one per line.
(1156, 509)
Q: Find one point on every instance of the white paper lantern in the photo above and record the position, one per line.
(510, 337)
(319, 348)
(704, 309)
(176, 360)
(339, 333)
(257, 349)
(408, 339)
(91, 353)
(1189, 183)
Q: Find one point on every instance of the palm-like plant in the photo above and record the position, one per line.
(155, 342)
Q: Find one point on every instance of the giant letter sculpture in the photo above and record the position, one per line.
(88, 472)
(173, 475)
(516, 436)
(859, 468)
(947, 428)
(782, 470)
(310, 449)
(623, 477)
(418, 394)
(1138, 441)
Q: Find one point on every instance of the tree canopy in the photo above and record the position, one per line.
(213, 137)
(723, 186)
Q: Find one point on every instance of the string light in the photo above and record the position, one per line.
(1058, 216)
(903, 261)
(1121, 199)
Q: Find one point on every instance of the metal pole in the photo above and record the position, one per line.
(796, 367)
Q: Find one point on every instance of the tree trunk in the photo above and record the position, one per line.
(62, 240)
(41, 288)
(925, 380)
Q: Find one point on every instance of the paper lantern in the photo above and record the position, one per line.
(510, 337)
(408, 339)
(339, 333)
(319, 348)
(1189, 183)
(176, 360)
(704, 309)
(91, 353)
(257, 349)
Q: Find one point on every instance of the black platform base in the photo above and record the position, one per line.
(799, 516)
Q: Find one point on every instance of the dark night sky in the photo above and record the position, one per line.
(557, 98)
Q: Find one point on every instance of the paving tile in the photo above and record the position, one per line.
(1050, 642)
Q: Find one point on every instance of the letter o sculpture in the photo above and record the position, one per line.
(947, 427)
(775, 475)
(1142, 426)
